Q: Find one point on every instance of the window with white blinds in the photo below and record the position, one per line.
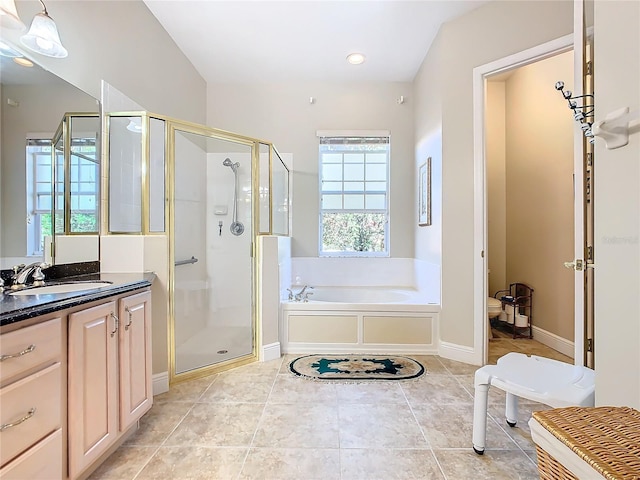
(354, 195)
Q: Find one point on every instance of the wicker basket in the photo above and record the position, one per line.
(606, 438)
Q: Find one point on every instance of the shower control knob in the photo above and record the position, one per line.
(237, 228)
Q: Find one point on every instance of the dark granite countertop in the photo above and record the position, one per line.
(14, 308)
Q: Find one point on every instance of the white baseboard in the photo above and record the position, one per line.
(160, 383)
(352, 348)
(459, 353)
(270, 352)
(552, 340)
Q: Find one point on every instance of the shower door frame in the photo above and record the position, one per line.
(196, 129)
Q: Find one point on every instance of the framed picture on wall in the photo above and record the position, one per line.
(424, 194)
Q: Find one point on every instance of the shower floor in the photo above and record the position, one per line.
(201, 349)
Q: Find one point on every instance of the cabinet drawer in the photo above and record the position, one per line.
(39, 344)
(41, 462)
(33, 406)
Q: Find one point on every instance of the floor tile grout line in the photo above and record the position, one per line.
(157, 449)
(255, 432)
(424, 435)
(167, 437)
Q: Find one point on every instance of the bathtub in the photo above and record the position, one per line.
(383, 320)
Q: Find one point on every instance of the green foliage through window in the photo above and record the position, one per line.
(353, 232)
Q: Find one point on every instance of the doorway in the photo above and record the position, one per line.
(530, 210)
(480, 266)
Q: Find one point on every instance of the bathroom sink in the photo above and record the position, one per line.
(62, 288)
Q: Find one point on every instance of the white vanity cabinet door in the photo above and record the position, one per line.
(136, 389)
(93, 384)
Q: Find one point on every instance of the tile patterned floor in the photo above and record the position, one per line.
(258, 422)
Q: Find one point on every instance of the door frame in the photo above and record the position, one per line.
(480, 243)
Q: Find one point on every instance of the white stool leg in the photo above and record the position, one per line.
(511, 410)
(479, 437)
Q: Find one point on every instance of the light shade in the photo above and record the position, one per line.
(43, 37)
(7, 51)
(9, 15)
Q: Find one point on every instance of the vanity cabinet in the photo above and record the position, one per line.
(32, 369)
(110, 384)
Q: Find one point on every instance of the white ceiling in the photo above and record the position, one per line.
(298, 40)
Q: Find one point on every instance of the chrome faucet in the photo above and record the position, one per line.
(21, 274)
(301, 295)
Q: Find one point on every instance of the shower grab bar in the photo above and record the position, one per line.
(186, 262)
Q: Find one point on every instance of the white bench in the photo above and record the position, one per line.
(539, 379)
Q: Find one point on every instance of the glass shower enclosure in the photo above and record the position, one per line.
(222, 191)
(213, 260)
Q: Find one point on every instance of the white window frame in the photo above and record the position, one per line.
(34, 224)
(346, 135)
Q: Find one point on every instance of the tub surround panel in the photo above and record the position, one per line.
(427, 280)
(397, 330)
(323, 328)
(352, 272)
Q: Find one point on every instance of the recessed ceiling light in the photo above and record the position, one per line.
(25, 62)
(355, 58)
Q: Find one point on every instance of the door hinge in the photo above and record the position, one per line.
(589, 68)
(590, 253)
(589, 344)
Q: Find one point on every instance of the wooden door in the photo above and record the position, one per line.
(93, 394)
(136, 390)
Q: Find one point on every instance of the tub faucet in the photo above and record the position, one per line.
(301, 295)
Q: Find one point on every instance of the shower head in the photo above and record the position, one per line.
(234, 166)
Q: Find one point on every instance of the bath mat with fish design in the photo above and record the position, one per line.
(356, 367)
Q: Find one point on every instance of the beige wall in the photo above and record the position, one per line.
(496, 186)
(539, 185)
(617, 209)
(281, 113)
(427, 91)
(491, 32)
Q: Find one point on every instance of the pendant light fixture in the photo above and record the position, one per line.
(43, 36)
(9, 15)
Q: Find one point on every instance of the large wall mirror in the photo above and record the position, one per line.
(49, 168)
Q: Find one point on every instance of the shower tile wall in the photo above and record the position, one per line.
(228, 256)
